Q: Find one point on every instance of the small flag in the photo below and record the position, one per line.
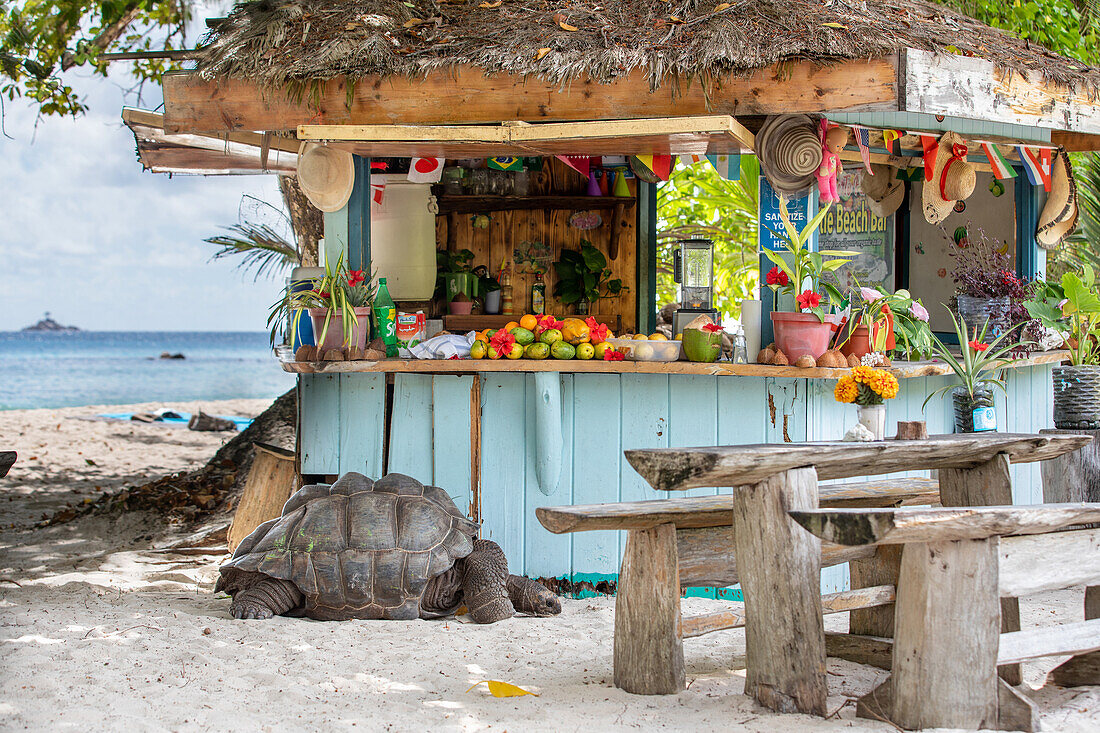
(690, 160)
(378, 190)
(930, 145)
(579, 163)
(661, 165)
(425, 170)
(728, 166)
(506, 163)
(889, 137)
(1036, 165)
(863, 141)
(1001, 168)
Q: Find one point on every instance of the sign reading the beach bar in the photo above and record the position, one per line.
(850, 225)
(770, 222)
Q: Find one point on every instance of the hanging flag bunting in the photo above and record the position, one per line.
(580, 163)
(1036, 165)
(1001, 167)
(690, 160)
(728, 166)
(661, 165)
(930, 145)
(889, 137)
(378, 190)
(863, 142)
(506, 163)
(910, 174)
(425, 170)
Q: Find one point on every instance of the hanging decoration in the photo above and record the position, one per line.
(891, 140)
(1059, 216)
(651, 168)
(377, 190)
(953, 179)
(425, 170)
(863, 142)
(789, 149)
(931, 147)
(832, 142)
(1037, 165)
(580, 163)
(728, 166)
(506, 163)
(1001, 167)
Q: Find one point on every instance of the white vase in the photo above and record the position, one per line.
(873, 417)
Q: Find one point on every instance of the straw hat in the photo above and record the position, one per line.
(1059, 217)
(789, 150)
(326, 175)
(953, 179)
(883, 189)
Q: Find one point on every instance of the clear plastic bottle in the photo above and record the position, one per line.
(385, 317)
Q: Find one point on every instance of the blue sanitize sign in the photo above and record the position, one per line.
(797, 208)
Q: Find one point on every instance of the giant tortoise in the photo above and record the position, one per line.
(391, 548)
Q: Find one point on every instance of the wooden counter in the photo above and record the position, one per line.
(902, 370)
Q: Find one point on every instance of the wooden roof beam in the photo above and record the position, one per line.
(467, 96)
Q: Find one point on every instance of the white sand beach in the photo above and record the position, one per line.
(105, 626)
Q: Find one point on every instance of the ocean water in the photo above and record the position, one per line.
(109, 368)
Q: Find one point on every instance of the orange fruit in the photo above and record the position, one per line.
(510, 325)
(529, 322)
(481, 337)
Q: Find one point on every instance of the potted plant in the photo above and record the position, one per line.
(973, 399)
(808, 330)
(339, 306)
(584, 278)
(1073, 310)
(881, 321)
(986, 288)
(489, 287)
(868, 388)
(455, 274)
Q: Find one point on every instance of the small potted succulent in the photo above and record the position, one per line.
(808, 330)
(973, 399)
(1072, 309)
(339, 305)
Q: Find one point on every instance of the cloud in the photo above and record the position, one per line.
(90, 237)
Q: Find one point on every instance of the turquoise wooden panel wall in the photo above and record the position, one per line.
(602, 415)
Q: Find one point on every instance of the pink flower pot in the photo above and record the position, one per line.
(801, 334)
(334, 339)
(460, 307)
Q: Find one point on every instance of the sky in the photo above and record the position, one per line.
(102, 245)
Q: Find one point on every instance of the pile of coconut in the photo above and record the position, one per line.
(831, 359)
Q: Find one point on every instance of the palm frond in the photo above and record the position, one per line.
(260, 248)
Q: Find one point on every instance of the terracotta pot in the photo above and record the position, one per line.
(859, 343)
(334, 339)
(801, 334)
(460, 307)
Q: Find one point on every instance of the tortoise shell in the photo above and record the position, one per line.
(358, 548)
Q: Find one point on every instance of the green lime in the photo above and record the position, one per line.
(562, 350)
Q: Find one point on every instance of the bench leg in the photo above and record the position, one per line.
(946, 635)
(649, 653)
(986, 485)
(1081, 669)
(882, 569)
(780, 569)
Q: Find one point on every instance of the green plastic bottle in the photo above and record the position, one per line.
(385, 318)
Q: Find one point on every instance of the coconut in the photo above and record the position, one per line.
(805, 361)
(306, 352)
(766, 356)
(780, 359)
(853, 360)
(334, 355)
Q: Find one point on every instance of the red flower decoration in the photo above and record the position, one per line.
(808, 299)
(547, 322)
(612, 355)
(596, 331)
(321, 294)
(503, 342)
(978, 346)
(711, 327)
(777, 277)
(355, 277)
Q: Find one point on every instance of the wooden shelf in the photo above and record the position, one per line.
(462, 204)
(462, 324)
(471, 366)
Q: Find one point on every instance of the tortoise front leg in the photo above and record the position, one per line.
(484, 577)
(268, 597)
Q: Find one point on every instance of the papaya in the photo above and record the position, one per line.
(575, 331)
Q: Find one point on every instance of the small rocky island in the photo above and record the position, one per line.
(48, 324)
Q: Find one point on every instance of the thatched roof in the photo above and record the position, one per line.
(279, 41)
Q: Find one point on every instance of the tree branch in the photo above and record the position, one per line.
(106, 37)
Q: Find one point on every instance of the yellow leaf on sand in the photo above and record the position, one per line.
(566, 27)
(836, 25)
(722, 6)
(542, 52)
(503, 689)
(414, 21)
(489, 5)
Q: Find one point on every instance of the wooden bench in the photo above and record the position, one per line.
(956, 564)
(777, 564)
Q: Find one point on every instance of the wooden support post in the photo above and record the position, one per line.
(1081, 669)
(946, 639)
(882, 569)
(780, 569)
(986, 485)
(649, 654)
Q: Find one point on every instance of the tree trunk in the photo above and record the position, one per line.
(306, 219)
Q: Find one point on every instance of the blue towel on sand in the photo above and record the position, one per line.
(241, 422)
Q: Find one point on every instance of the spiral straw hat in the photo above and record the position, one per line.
(326, 175)
(1059, 217)
(953, 179)
(789, 150)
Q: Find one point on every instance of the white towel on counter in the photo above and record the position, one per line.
(443, 346)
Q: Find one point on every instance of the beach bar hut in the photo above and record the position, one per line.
(465, 80)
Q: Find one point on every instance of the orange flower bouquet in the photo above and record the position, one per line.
(868, 388)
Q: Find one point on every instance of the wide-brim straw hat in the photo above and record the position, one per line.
(789, 150)
(950, 183)
(1059, 217)
(883, 190)
(326, 175)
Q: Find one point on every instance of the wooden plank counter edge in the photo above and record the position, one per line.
(473, 366)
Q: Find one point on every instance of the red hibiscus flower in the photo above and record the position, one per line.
(978, 346)
(547, 322)
(321, 294)
(612, 355)
(808, 299)
(711, 327)
(503, 342)
(355, 277)
(597, 331)
(777, 277)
